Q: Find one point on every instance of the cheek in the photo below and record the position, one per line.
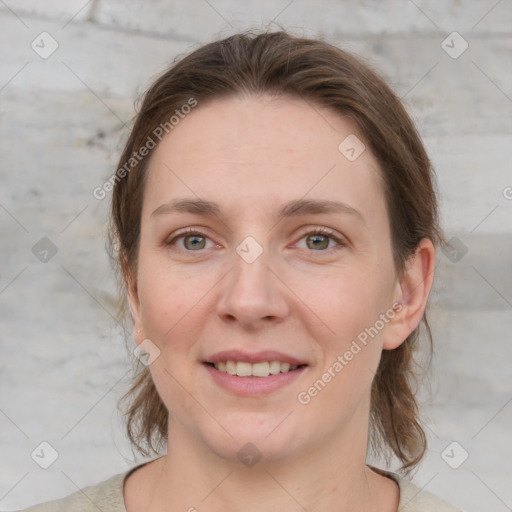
(348, 300)
(174, 302)
(349, 358)
(158, 303)
(350, 305)
(163, 298)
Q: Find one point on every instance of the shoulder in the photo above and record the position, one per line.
(415, 499)
(106, 496)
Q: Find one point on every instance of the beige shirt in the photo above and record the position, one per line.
(108, 497)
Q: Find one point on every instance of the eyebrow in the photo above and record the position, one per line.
(294, 208)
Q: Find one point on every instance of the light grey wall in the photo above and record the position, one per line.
(63, 364)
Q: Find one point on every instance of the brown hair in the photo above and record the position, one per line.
(282, 64)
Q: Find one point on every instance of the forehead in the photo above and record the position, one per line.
(254, 152)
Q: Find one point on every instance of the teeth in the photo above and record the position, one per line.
(275, 367)
(230, 367)
(261, 369)
(243, 369)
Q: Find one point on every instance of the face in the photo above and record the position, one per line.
(286, 260)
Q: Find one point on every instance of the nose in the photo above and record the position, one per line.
(252, 294)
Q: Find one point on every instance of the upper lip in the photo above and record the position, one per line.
(253, 357)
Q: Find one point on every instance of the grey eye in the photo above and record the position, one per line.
(317, 241)
(193, 242)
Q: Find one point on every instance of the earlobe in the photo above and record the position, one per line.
(412, 293)
(132, 298)
(133, 304)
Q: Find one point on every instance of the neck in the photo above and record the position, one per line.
(331, 476)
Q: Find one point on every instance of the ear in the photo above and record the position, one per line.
(412, 293)
(132, 297)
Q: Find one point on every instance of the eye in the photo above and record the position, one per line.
(193, 240)
(319, 240)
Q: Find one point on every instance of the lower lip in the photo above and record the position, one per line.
(253, 386)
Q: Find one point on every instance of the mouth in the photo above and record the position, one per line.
(254, 374)
(259, 369)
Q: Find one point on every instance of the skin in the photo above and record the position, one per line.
(251, 154)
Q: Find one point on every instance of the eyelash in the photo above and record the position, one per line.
(317, 231)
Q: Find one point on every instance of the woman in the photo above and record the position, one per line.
(275, 221)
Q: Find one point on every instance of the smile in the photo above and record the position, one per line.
(260, 369)
(253, 379)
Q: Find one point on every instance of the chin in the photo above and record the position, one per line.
(259, 442)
